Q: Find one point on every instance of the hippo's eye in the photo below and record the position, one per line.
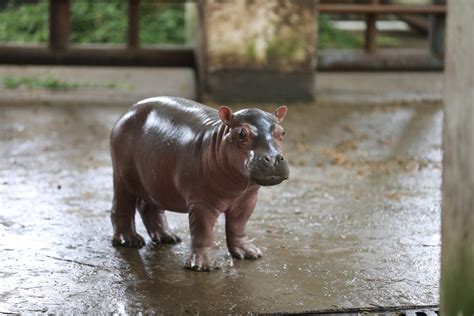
(242, 134)
(283, 133)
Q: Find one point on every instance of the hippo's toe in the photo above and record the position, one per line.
(165, 237)
(128, 240)
(245, 251)
(200, 262)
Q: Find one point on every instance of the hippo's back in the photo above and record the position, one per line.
(171, 119)
(175, 117)
(175, 106)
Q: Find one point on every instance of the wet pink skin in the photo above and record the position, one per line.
(178, 155)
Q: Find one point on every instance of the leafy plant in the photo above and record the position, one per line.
(330, 37)
(26, 23)
(162, 23)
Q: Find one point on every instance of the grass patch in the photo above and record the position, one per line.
(51, 83)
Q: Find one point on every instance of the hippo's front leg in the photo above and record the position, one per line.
(201, 226)
(238, 243)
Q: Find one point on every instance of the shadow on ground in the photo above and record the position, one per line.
(357, 225)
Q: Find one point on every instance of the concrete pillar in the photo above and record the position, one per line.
(457, 255)
(257, 50)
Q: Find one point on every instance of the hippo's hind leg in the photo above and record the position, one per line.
(156, 224)
(123, 218)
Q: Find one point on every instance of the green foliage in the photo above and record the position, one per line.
(51, 83)
(162, 23)
(27, 23)
(330, 37)
(98, 21)
(95, 21)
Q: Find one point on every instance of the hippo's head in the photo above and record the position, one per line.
(257, 135)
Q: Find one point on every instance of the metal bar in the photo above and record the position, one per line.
(133, 40)
(59, 25)
(381, 9)
(383, 60)
(370, 43)
(99, 56)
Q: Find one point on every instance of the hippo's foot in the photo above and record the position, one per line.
(164, 237)
(200, 261)
(131, 240)
(245, 250)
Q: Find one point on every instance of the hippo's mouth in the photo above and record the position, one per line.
(270, 180)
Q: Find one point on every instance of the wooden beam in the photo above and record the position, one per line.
(99, 55)
(382, 60)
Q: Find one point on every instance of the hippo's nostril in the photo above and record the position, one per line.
(266, 159)
(279, 158)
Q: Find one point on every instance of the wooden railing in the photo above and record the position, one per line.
(59, 50)
(370, 59)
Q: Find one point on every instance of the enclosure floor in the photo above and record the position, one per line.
(357, 224)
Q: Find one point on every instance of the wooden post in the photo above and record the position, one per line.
(436, 32)
(133, 40)
(457, 254)
(371, 31)
(59, 25)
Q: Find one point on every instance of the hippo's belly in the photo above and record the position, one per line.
(160, 170)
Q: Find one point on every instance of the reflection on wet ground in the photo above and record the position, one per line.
(357, 225)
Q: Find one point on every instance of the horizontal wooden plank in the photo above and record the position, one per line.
(103, 55)
(381, 9)
(382, 60)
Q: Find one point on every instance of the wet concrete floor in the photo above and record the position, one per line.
(357, 225)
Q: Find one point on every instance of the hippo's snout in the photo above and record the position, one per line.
(268, 170)
(270, 161)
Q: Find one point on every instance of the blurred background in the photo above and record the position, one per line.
(397, 27)
(356, 229)
(161, 22)
(375, 35)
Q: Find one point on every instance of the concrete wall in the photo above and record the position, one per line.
(457, 263)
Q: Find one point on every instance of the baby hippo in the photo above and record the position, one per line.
(178, 155)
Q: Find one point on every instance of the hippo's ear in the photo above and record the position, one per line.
(226, 115)
(280, 113)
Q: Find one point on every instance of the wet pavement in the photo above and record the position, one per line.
(357, 225)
